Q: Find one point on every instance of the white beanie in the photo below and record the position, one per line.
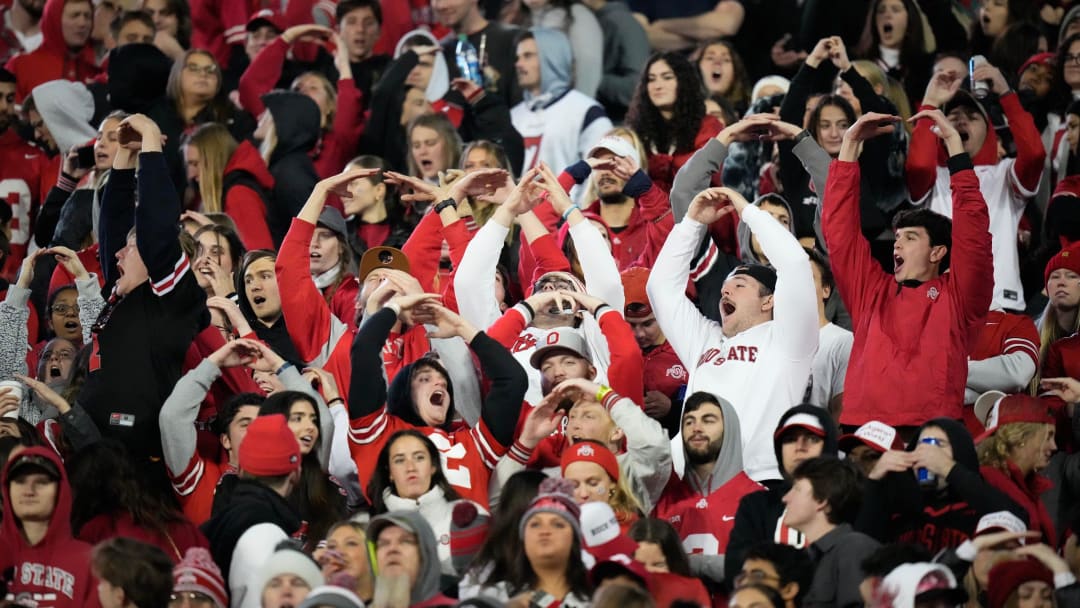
(289, 561)
(66, 108)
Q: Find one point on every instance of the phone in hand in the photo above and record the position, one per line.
(85, 157)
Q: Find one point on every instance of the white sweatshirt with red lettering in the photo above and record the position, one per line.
(763, 370)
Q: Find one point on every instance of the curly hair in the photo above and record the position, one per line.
(996, 450)
(657, 133)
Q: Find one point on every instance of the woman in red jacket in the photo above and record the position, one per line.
(231, 178)
(668, 113)
(1014, 449)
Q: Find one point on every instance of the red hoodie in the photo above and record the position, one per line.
(246, 206)
(53, 60)
(55, 573)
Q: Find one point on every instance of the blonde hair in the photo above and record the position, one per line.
(622, 498)
(326, 121)
(216, 146)
(996, 450)
(481, 211)
(1051, 331)
(890, 88)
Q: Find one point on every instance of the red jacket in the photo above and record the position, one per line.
(53, 60)
(640, 241)
(663, 167)
(218, 25)
(54, 573)
(1002, 334)
(664, 371)
(1025, 492)
(25, 179)
(909, 360)
(342, 300)
(246, 206)
(338, 145)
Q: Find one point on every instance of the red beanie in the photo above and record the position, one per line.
(1007, 576)
(1068, 258)
(594, 452)
(269, 448)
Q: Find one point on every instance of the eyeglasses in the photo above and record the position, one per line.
(190, 598)
(205, 70)
(1073, 59)
(64, 309)
(553, 284)
(753, 577)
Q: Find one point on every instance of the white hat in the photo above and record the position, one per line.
(616, 145)
(1000, 521)
(909, 583)
(984, 405)
(875, 435)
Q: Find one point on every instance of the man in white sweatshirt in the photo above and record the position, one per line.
(759, 356)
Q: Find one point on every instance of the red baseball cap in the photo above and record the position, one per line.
(1046, 59)
(807, 422)
(633, 282)
(266, 17)
(594, 452)
(1010, 409)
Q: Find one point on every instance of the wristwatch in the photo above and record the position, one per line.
(449, 202)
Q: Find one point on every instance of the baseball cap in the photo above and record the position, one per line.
(266, 17)
(601, 535)
(764, 274)
(1046, 59)
(25, 463)
(332, 220)
(875, 435)
(386, 520)
(1010, 409)
(908, 584)
(269, 448)
(1000, 521)
(637, 304)
(594, 452)
(562, 339)
(807, 422)
(616, 145)
(382, 257)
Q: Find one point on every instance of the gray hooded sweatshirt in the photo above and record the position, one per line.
(556, 66)
(427, 580)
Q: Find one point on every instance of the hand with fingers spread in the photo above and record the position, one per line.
(521, 199)
(47, 394)
(422, 192)
(560, 200)
(892, 461)
(405, 304)
(26, 271)
(625, 167)
(322, 381)
(339, 184)
(712, 204)
(941, 88)
(943, 129)
(70, 261)
(542, 421)
(479, 183)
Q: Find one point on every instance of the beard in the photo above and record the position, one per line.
(706, 456)
(612, 198)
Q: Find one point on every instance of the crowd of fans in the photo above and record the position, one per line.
(540, 303)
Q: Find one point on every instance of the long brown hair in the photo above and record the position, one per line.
(216, 146)
(449, 135)
(174, 89)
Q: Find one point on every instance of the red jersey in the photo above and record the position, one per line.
(1002, 334)
(196, 485)
(24, 180)
(704, 523)
(468, 454)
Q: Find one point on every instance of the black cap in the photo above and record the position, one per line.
(764, 274)
(33, 463)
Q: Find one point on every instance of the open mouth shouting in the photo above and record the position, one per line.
(898, 263)
(727, 307)
(963, 135)
(257, 301)
(438, 398)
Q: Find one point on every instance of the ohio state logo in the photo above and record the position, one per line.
(585, 450)
(676, 372)
(933, 293)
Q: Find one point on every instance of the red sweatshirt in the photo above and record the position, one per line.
(53, 60)
(25, 179)
(246, 206)
(339, 144)
(54, 573)
(663, 167)
(218, 25)
(909, 360)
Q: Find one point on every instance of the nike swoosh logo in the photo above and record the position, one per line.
(727, 518)
(29, 156)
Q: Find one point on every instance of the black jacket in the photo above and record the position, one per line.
(760, 514)
(296, 121)
(250, 503)
(895, 508)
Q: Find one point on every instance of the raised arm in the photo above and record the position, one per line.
(921, 167)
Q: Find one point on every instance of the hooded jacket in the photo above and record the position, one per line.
(296, 122)
(66, 108)
(250, 503)
(247, 185)
(138, 76)
(760, 514)
(896, 509)
(54, 573)
(426, 588)
(53, 60)
(705, 508)
(746, 250)
(576, 121)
